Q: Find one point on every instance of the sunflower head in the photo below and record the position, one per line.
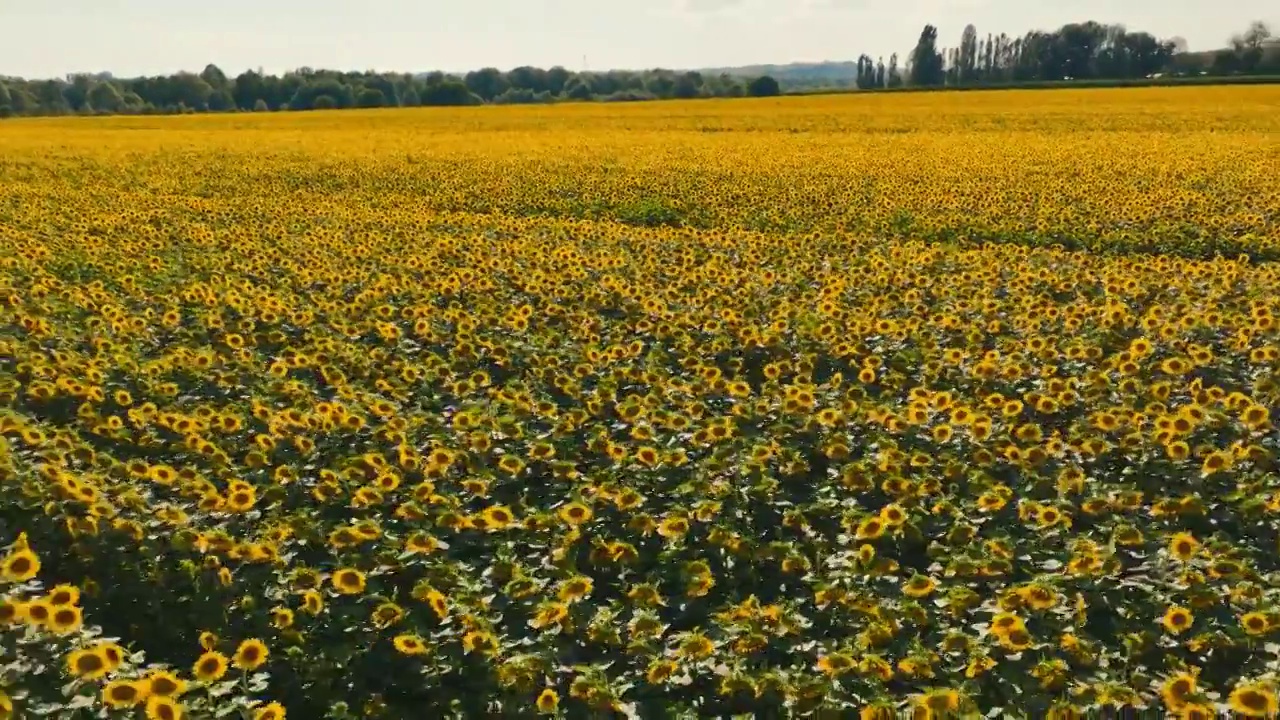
(20, 565)
(210, 666)
(165, 684)
(88, 664)
(250, 655)
(122, 694)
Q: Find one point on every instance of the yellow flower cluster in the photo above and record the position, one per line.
(1180, 170)
(714, 408)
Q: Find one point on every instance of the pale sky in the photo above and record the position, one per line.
(44, 38)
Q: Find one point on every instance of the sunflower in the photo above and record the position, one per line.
(313, 602)
(63, 595)
(1178, 690)
(1015, 640)
(1005, 623)
(12, 612)
(1256, 417)
(1198, 711)
(511, 465)
(112, 653)
(87, 664)
(919, 586)
(660, 671)
(1253, 700)
(575, 588)
(39, 612)
(420, 542)
(165, 684)
(250, 655)
(893, 515)
(210, 666)
(548, 701)
(19, 566)
(575, 513)
(270, 711)
(870, 528)
(1177, 620)
(878, 711)
(1038, 597)
(549, 614)
(1255, 623)
(673, 527)
(497, 517)
(835, 664)
(696, 647)
(160, 707)
(409, 645)
(348, 581)
(387, 614)
(121, 694)
(64, 620)
(1183, 546)
(939, 703)
(478, 641)
(282, 618)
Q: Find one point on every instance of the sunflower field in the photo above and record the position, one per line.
(945, 405)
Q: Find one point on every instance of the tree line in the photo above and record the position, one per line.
(212, 90)
(1080, 51)
(1077, 51)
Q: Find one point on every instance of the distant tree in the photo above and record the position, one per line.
(528, 78)
(926, 61)
(76, 90)
(6, 98)
(763, 86)
(1250, 46)
(386, 84)
(322, 102)
(105, 97)
(23, 101)
(579, 87)
(488, 83)
(260, 105)
(557, 79)
(221, 99)
(660, 84)
(190, 90)
(449, 92)
(864, 76)
(339, 94)
(247, 89)
(894, 75)
(967, 65)
(50, 98)
(410, 98)
(213, 75)
(688, 85)
(371, 97)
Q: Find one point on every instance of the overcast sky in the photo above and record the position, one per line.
(43, 38)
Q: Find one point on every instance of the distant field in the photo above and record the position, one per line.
(1183, 170)
(959, 404)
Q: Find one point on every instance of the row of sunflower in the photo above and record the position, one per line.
(56, 665)
(339, 458)
(1185, 171)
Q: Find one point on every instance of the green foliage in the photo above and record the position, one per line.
(926, 61)
(763, 86)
